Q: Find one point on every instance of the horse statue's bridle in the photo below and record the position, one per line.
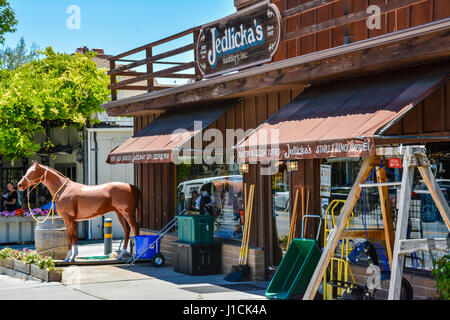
(33, 181)
(44, 175)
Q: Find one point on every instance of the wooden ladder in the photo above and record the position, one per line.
(398, 246)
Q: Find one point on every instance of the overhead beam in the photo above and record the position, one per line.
(377, 234)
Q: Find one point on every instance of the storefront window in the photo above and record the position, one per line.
(424, 219)
(221, 187)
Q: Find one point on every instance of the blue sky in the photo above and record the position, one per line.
(114, 25)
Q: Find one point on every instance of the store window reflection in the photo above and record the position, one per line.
(215, 190)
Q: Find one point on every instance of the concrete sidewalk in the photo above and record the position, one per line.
(118, 282)
(139, 282)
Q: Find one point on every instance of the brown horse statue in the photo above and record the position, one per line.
(78, 202)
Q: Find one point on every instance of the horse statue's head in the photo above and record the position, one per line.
(35, 175)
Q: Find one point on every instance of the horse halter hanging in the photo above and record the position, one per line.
(51, 212)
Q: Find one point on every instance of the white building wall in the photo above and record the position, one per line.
(69, 136)
(107, 140)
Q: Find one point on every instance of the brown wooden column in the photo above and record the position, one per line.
(157, 181)
(261, 231)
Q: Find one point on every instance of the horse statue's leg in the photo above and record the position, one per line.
(130, 219)
(126, 230)
(69, 253)
(126, 217)
(68, 224)
(74, 241)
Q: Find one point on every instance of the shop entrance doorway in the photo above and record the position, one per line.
(280, 204)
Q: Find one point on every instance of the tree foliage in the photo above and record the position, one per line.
(12, 58)
(7, 19)
(55, 91)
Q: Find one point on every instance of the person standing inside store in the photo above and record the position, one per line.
(192, 203)
(181, 202)
(11, 202)
(205, 202)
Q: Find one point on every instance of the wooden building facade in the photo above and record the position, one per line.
(321, 41)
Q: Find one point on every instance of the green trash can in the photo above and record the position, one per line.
(295, 270)
(195, 228)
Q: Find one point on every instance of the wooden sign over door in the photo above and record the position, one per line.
(247, 38)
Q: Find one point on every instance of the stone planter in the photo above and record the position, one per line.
(16, 229)
(49, 276)
(8, 263)
(22, 267)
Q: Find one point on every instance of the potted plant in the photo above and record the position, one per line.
(441, 273)
(31, 257)
(7, 257)
(19, 262)
(44, 269)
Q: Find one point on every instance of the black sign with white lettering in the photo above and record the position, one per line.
(244, 39)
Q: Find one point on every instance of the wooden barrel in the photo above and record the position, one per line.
(50, 239)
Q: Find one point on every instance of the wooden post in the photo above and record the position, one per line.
(402, 225)
(293, 220)
(250, 215)
(338, 230)
(386, 213)
(113, 80)
(198, 74)
(303, 212)
(150, 82)
(305, 227)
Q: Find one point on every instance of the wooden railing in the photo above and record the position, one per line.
(131, 79)
(346, 19)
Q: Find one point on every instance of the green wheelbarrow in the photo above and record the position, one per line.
(297, 267)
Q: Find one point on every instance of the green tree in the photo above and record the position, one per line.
(12, 58)
(56, 91)
(7, 19)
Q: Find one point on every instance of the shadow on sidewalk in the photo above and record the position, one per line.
(197, 284)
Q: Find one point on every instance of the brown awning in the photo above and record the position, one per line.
(340, 119)
(157, 142)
